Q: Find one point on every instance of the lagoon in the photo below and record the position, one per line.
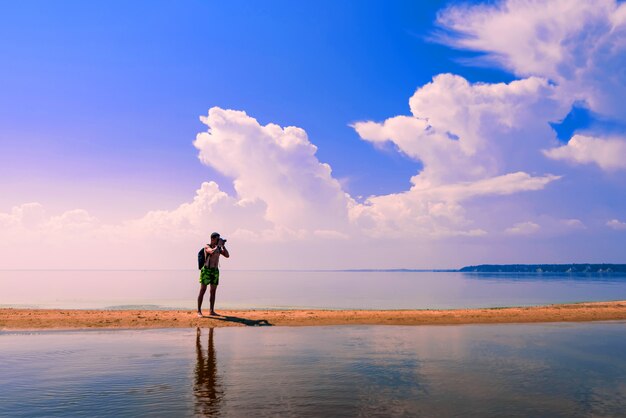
(556, 369)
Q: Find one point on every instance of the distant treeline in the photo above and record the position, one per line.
(546, 268)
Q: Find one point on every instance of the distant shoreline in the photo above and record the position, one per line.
(584, 268)
(60, 319)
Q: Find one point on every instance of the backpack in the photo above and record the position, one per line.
(201, 259)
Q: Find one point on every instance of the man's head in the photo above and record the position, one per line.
(214, 237)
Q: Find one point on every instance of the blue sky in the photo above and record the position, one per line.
(464, 132)
(105, 96)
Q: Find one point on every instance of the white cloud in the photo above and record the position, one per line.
(290, 195)
(473, 141)
(437, 211)
(523, 228)
(607, 153)
(267, 163)
(462, 131)
(573, 223)
(581, 45)
(499, 185)
(30, 214)
(330, 234)
(211, 208)
(617, 225)
(482, 139)
(33, 217)
(276, 166)
(283, 194)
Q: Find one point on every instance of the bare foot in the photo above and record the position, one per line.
(200, 315)
(213, 313)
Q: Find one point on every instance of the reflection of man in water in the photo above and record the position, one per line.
(210, 272)
(207, 388)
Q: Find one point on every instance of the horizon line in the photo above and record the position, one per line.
(346, 270)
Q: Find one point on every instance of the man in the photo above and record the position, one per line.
(210, 273)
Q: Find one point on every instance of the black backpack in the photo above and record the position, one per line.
(201, 259)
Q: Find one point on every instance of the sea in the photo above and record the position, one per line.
(238, 289)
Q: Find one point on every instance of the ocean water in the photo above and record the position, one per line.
(556, 370)
(302, 289)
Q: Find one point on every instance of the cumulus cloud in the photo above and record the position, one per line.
(473, 140)
(580, 45)
(283, 193)
(275, 172)
(617, 225)
(209, 207)
(438, 210)
(607, 153)
(523, 228)
(33, 217)
(28, 214)
(463, 131)
(276, 166)
(158, 239)
(482, 139)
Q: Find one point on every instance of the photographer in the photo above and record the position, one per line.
(210, 273)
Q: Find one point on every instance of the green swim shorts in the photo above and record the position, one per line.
(210, 275)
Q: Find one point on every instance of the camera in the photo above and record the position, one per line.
(221, 242)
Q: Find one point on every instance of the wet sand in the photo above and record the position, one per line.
(40, 319)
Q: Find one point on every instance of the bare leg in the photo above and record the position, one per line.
(213, 291)
(201, 297)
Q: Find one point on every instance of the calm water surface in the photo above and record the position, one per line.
(287, 289)
(569, 370)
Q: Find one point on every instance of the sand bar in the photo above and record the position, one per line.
(40, 319)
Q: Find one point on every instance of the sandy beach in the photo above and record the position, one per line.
(41, 319)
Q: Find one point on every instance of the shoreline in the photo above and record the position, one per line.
(13, 319)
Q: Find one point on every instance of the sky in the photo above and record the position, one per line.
(330, 134)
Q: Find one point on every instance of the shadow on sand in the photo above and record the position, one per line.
(245, 321)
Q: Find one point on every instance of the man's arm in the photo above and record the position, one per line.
(224, 252)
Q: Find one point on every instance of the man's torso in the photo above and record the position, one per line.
(212, 260)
